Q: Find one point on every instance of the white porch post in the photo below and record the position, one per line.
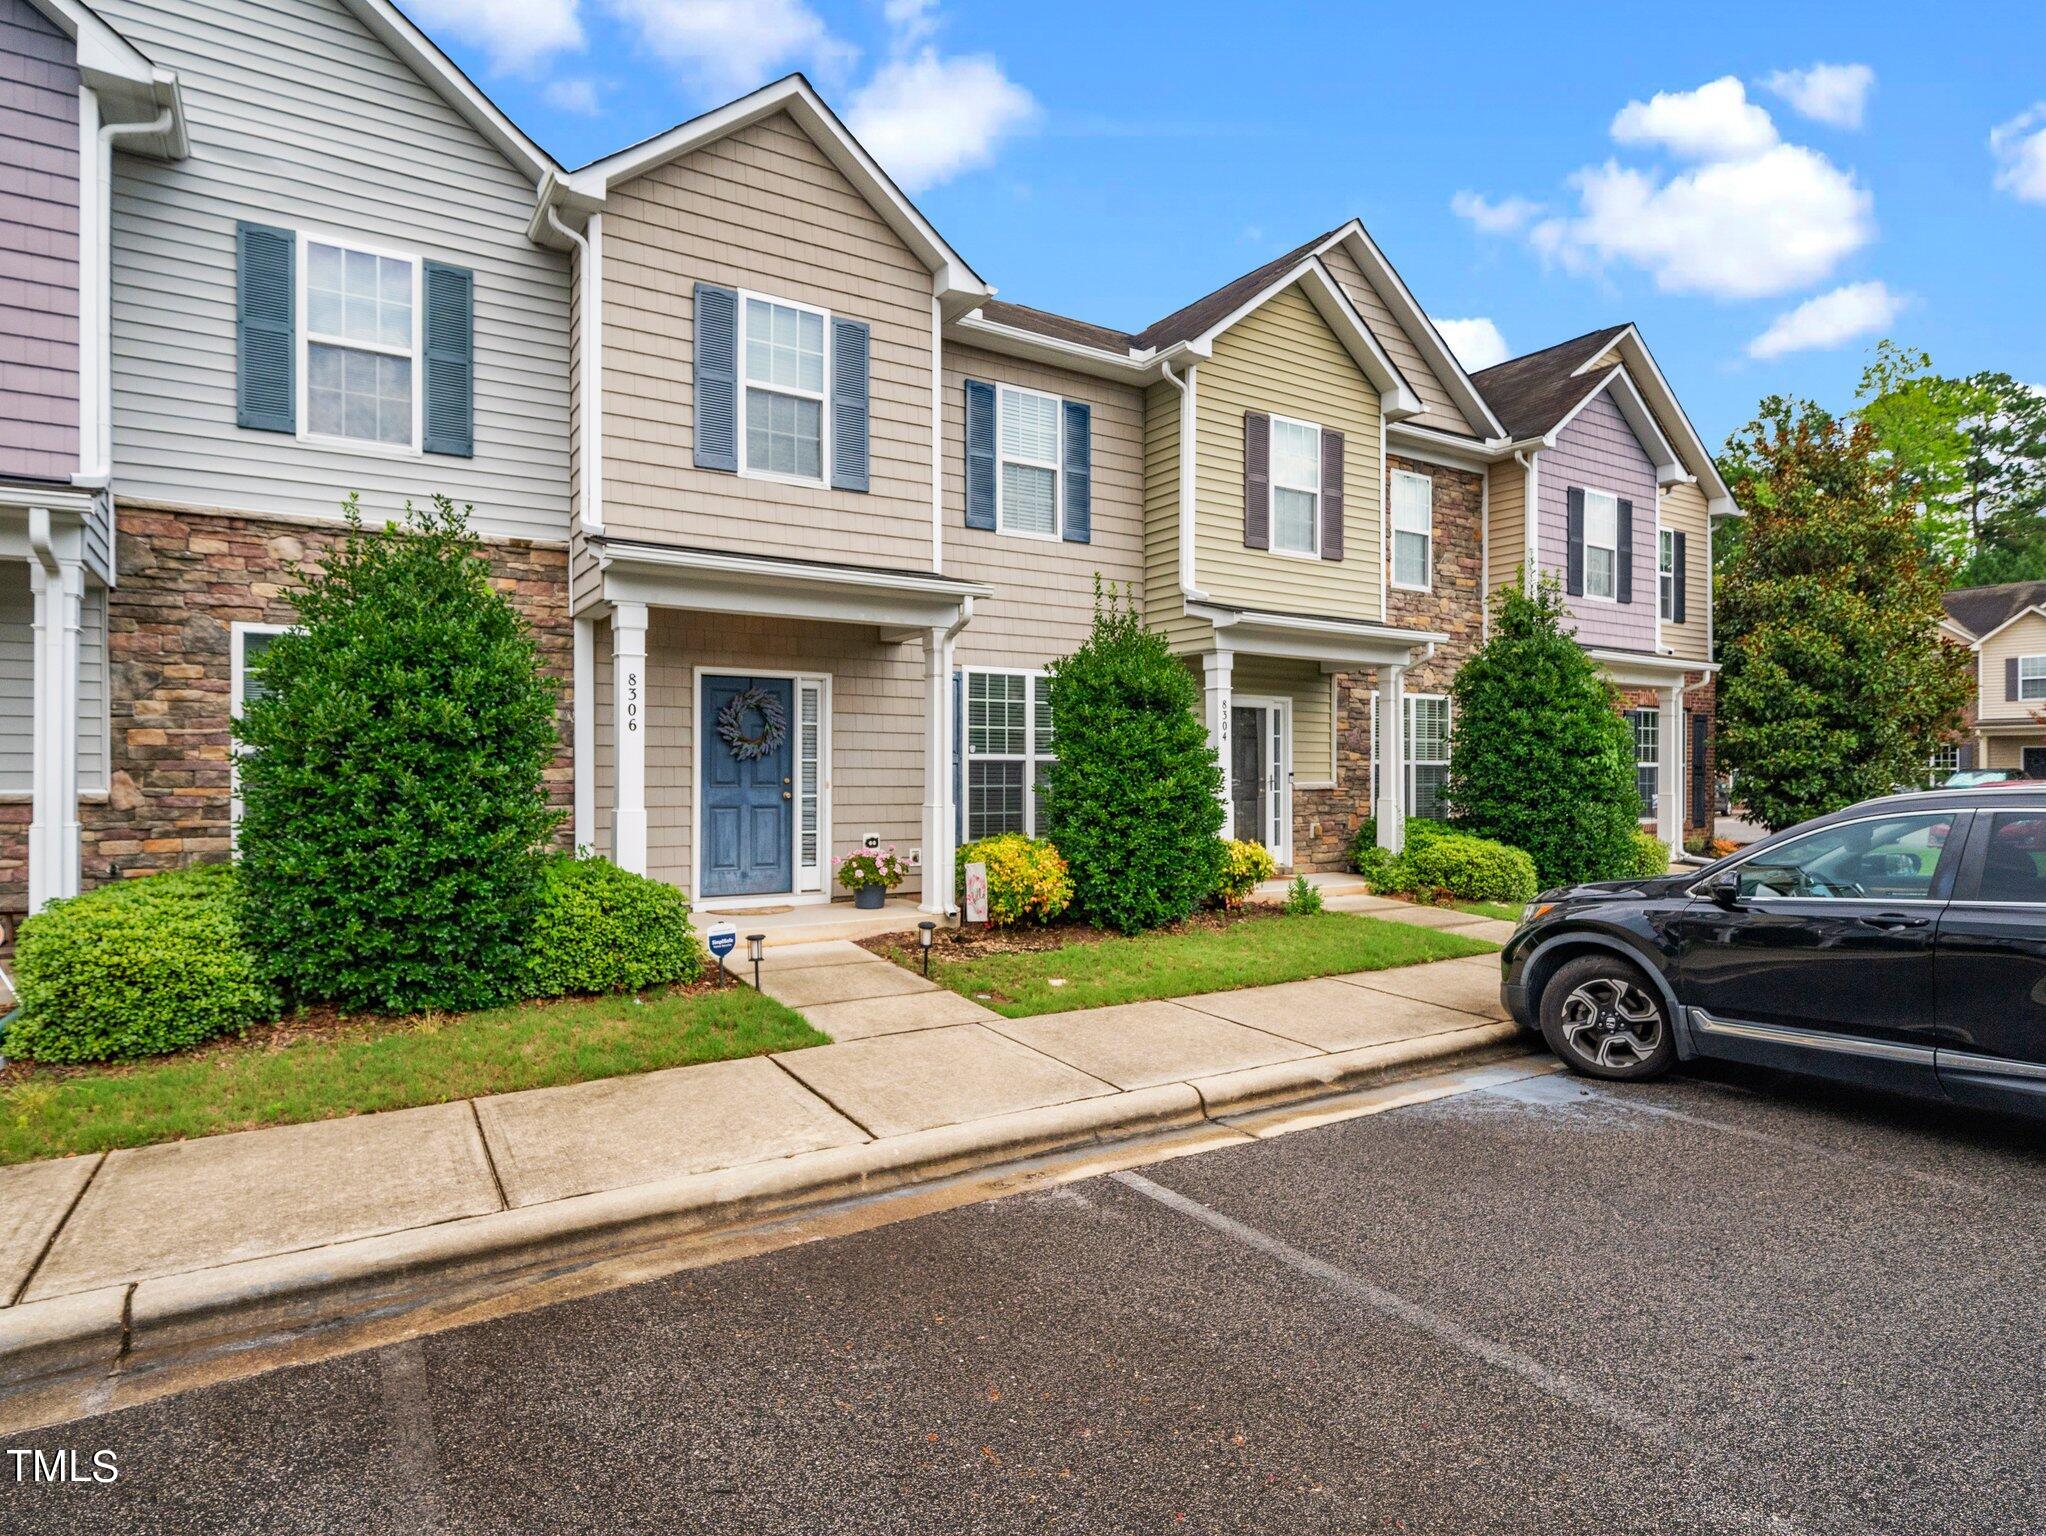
(628, 680)
(1670, 768)
(1216, 666)
(937, 892)
(53, 829)
(585, 737)
(1391, 810)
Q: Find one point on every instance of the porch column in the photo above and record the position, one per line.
(1669, 768)
(937, 892)
(1391, 746)
(1215, 669)
(53, 830)
(628, 718)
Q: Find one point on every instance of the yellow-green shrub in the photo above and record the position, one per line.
(1026, 878)
(1244, 865)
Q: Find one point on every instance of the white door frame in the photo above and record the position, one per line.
(1276, 729)
(700, 733)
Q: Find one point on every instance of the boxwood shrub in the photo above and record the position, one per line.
(1651, 857)
(599, 928)
(136, 969)
(1468, 868)
(1026, 878)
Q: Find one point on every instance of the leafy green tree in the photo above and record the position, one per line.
(1542, 760)
(1133, 801)
(1834, 679)
(392, 804)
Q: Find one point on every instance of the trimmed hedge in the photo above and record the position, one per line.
(1244, 866)
(1469, 869)
(1651, 857)
(1026, 878)
(136, 969)
(599, 928)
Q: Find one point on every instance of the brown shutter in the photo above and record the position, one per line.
(1331, 495)
(2010, 679)
(1257, 480)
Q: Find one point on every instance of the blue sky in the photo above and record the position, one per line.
(1541, 170)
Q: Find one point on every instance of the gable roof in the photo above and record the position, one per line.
(1043, 322)
(1982, 611)
(1211, 309)
(1629, 348)
(1533, 393)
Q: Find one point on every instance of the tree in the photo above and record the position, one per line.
(1834, 681)
(1542, 759)
(392, 805)
(1133, 801)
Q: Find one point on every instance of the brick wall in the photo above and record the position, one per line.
(1700, 700)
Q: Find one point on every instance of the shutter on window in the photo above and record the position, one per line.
(266, 317)
(1967, 756)
(2010, 679)
(1679, 575)
(1573, 517)
(1624, 555)
(1257, 480)
(980, 455)
(849, 342)
(450, 360)
(1079, 435)
(1331, 495)
(716, 366)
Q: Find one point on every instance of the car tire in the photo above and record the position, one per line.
(1605, 1018)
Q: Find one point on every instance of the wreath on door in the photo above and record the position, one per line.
(774, 724)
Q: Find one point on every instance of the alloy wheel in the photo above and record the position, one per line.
(1611, 1022)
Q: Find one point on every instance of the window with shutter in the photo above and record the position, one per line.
(783, 355)
(1413, 529)
(266, 327)
(1296, 487)
(360, 345)
(450, 360)
(1602, 546)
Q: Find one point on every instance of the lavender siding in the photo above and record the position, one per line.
(1599, 452)
(38, 246)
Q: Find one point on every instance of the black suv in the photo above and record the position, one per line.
(1900, 943)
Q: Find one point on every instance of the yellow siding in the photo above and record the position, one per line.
(1283, 358)
(1508, 522)
(2027, 637)
(1309, 688)
(1438, 410)
(1163, 609)
(1683, 509)
(2008, 751)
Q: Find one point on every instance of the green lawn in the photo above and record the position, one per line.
(357, 1068)
(1252, 953)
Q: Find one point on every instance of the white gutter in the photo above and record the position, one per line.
(1530, 520)
(590, 276)
(1188, 590)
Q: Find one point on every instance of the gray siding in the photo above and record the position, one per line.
(17, 685)
(298, 117)
(1599, 451)
(38, 246)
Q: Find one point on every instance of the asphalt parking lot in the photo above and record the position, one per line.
(1734, 1302)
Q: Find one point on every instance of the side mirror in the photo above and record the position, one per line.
(1723, 889)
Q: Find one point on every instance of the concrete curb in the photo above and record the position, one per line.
(187, 1319)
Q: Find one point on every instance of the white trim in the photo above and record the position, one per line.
(238, 633)
(304, 341)
(2030, 698)
(1056, 464)
(699, 735)
(1696, 456)
(584, 728)
(1030, 757)
(1638, 669)
(1640, 420)
(1430, 446)
(1272, 489)
(1393, 531)
(1613, 548)
(822, 396)
(2036, 608)
(1275, 730)
(1662, 532)
(1346, 642)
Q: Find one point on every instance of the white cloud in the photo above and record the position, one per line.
(2020, 150)
(1476, 342)
(734, 46)
(927, 119)
(574, 94)
(1714, 122)
(1509, 215)
(1835, 94)
(1858, 309)
(513, 34)
(910, 20)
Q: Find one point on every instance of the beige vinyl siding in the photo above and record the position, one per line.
(1164, 609)
(1508, 525)
(1283, 358)
(17, 685)
(1683, 511)
(1044, 591)
(2008, 751)
(1309, 688)
(2026, 637)
(1437, 409)
(761, 209)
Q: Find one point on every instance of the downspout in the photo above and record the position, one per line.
(1189, 591)
(1530, 522)
(592, 366)
(95, 472)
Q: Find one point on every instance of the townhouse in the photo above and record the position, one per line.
(799, 510)
(2004, 626)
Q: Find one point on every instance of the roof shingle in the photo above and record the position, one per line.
(1531, 393)
(1978, 610)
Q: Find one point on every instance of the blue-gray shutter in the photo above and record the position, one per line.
(1079, 454)
(1573, 567)
(716, 368)
(1678, 576)
(2010, 679)
(980, 455)
(1623, 555)
(266, 323)
(849, 345)
(450, 360)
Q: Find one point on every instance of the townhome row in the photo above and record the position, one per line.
(799, 510)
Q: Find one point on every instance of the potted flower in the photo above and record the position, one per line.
(870, 876)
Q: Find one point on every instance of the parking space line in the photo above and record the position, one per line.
(415, 1453)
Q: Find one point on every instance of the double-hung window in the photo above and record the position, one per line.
(1602, 545)
(361, 344)
(1944, 761)
(1413, 529)
(783, 356)
(1427, 764)
(247, 642)
(1296, 487)
(2031, 678)
(1008, 747)
(1647, 724)
(1028, 500)
(1666, 575)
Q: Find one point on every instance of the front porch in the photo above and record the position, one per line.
(1664, 678)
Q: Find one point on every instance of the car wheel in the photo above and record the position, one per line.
(1606, 1019)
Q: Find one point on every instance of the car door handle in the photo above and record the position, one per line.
(1895, 920)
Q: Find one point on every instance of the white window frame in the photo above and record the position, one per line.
(305, 341)
(1057, 465)
(1030, 757)
(1407, 743)
(1426, 533)
(238, 634)
(1943, 760)
(1612, 497)
(822, 479)
(1652, 716)
(1665, 574)
(2037, 677)
(1273, 487)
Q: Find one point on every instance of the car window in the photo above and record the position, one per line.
(1886, 857)
(2014, 867)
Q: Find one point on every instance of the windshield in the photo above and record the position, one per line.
(1883, 857)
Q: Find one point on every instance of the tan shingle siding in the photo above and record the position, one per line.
(1508, 519)
(2024, 637)
(1683, 511)
(1438, 410)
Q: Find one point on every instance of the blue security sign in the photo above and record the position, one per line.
(721, 939)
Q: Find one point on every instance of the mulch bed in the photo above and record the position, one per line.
(973, 943)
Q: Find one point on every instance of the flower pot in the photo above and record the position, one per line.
(870, 898)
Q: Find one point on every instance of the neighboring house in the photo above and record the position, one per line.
(2005, 627)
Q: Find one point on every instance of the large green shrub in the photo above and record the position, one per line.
(1026, 878)
(1133, 799)
(136, 969)
(391, 787)
(1468, 868)
(1542, 760)
(1245, 866)
(602, 929)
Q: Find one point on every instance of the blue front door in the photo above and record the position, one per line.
(748, 796)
